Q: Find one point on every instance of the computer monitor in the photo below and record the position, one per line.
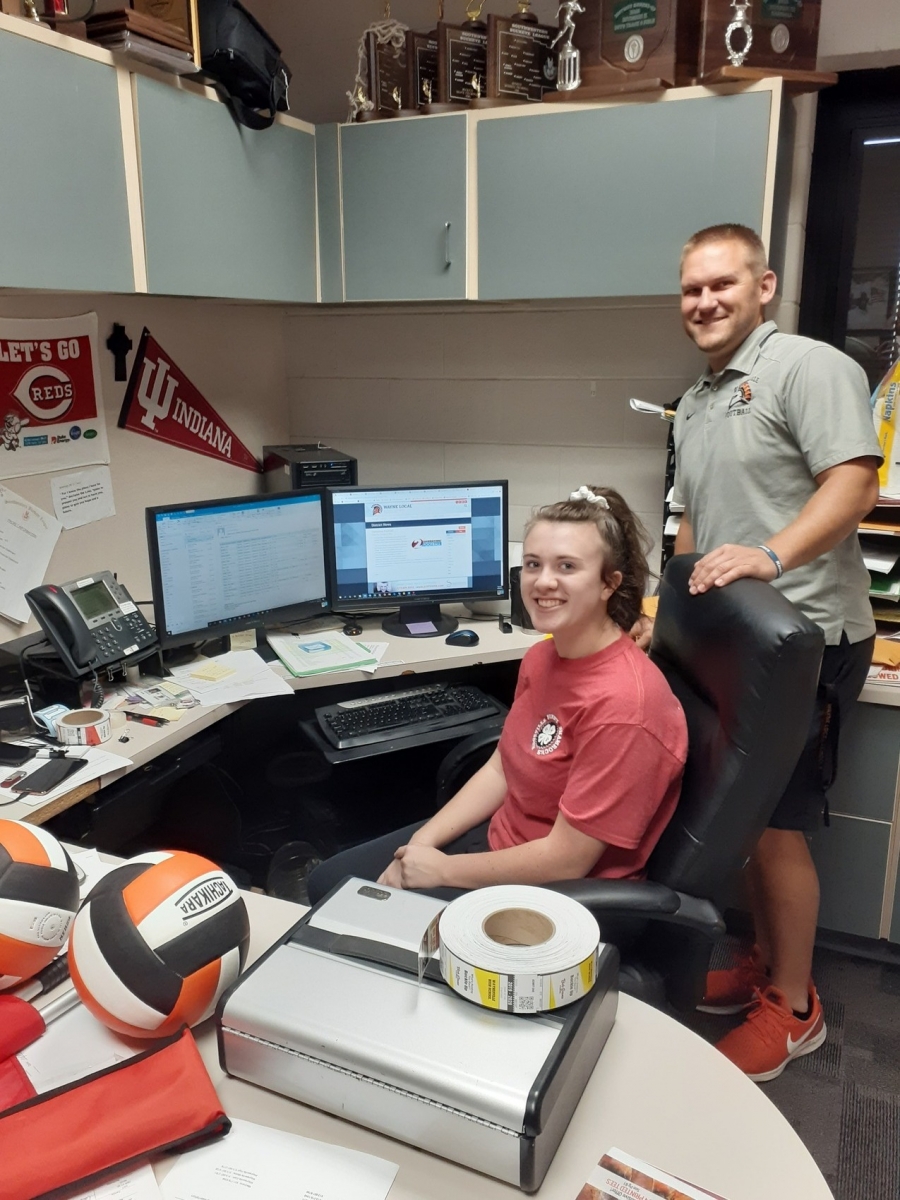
(416, 547)
(219, 566)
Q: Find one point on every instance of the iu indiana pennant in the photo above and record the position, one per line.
(162, 403)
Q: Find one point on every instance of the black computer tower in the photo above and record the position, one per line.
(288, 467)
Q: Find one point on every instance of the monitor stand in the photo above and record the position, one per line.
(419, 620)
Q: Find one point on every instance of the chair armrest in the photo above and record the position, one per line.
(643, 898)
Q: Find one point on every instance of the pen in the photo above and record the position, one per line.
(45, 980)
(145, 718)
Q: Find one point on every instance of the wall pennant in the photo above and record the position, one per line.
(162, 403)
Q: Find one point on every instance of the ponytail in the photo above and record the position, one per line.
(625, 540)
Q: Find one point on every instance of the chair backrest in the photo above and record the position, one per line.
(744, 662)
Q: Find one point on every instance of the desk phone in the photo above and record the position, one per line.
(91, 622)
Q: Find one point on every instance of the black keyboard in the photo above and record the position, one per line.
(402, 714)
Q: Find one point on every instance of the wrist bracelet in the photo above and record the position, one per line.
(779, 568)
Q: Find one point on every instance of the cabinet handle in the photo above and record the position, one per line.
(448, 262)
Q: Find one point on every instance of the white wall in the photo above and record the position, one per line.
(538, 395)
(234, 354)
(855, 34)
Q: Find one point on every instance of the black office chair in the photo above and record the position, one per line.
(744, 663)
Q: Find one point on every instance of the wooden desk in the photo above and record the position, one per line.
(658, 1092)
(404, 656)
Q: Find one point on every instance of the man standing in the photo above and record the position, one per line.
(777, 462)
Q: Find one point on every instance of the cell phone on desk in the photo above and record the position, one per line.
(49, 776)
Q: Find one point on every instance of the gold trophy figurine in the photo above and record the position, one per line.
(476, 85)
(427, 90)
(397, 98)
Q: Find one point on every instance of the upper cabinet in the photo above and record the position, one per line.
(404, 187)
(228, 211)
(546, 201)
(599, 202)
(119, 179)
(63, 196)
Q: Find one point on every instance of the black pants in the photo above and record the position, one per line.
(369, 859)
(805, 802)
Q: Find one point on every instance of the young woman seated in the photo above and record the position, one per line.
(588, 768)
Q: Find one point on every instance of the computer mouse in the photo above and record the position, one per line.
(352, 630)
(462, 637)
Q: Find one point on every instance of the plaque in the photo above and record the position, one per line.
(634, 45)
(521, 65)
(785, 35)
(422, 67)
(462, 61)
(387, 80)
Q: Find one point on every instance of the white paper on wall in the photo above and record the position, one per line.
(83, 497)
(28, 536)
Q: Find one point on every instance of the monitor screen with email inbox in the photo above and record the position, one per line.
(219, 566)
(415, 547)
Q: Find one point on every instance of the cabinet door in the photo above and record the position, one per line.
(600, 202)
(851, 856)
(228, 211)
(62, 172)
(404, 209)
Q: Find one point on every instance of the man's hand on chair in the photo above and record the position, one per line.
(727, 563)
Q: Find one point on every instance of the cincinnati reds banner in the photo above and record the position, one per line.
(162, 403)
(50, 400)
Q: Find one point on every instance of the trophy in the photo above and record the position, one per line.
(739, 24)
(422, 66)
(521, 65)
(462, 58)
(629, 45)
(568, 58)
(784, 37)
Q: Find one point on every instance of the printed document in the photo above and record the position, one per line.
(28, 536)
(253, 1162)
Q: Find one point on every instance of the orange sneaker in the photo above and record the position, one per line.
(734, 990)
(771, 1035)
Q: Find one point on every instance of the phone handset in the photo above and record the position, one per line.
(65, 626)
(92, 622)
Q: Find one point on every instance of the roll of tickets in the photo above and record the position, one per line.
(83, 727)
(518, 949)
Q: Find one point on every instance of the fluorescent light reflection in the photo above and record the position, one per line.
(891, 141)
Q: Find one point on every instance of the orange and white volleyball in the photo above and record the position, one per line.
(156, 943)
(38, 900)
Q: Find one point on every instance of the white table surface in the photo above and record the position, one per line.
(404, 656)
(659, 1092)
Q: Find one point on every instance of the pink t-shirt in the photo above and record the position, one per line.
(600, 739)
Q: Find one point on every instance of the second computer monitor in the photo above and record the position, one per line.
(416, 547)
(219, 566)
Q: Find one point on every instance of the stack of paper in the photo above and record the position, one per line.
(316, 654)
(230, 678)
(256, 1161)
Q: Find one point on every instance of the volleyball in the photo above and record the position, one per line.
(157, 941)
(38, 899)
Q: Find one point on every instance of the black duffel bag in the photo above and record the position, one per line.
(244, 61)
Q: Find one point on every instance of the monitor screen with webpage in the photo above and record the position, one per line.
(219, 566)
(415, 547)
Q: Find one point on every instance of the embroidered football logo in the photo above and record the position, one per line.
(742, 395)
(547, 736)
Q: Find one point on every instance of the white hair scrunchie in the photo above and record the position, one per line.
(585, 493)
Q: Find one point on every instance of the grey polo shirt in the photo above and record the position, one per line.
(749, 442)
